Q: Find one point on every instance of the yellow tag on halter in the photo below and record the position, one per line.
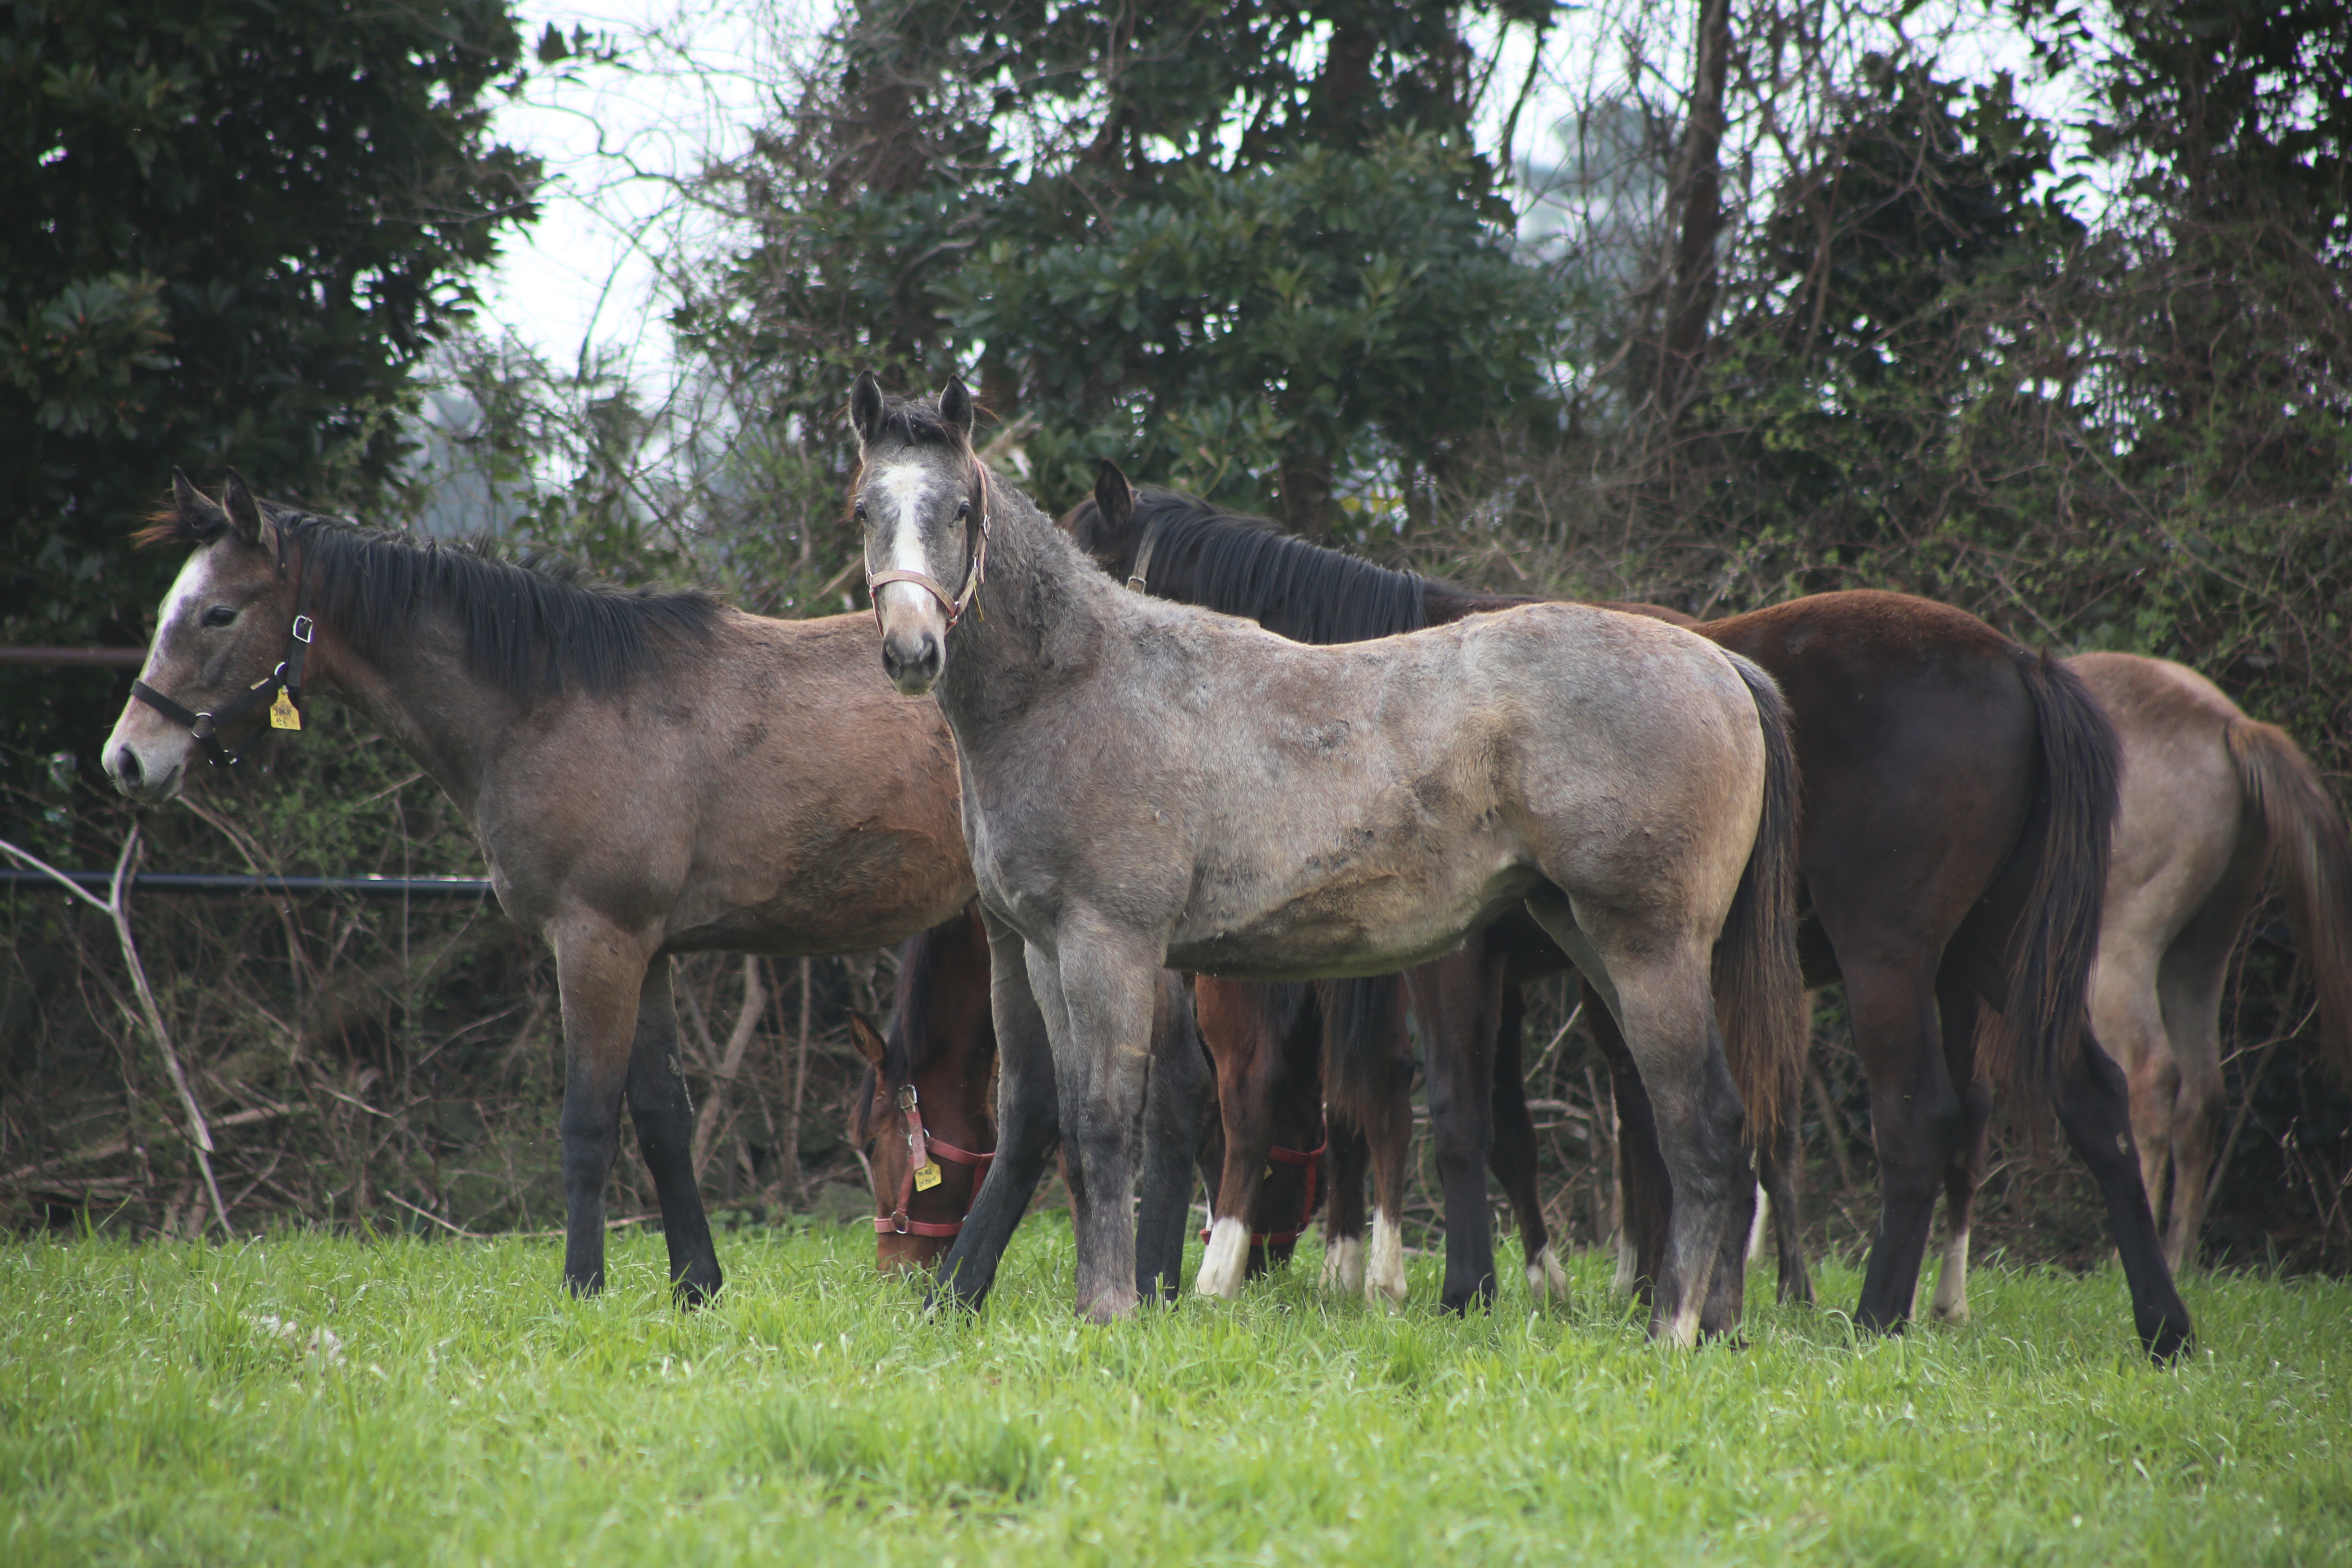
(283, 714)
(927, 1177)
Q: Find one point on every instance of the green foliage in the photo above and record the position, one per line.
(233, 227)
(1287, 309)
(1151, 233)
(175, 1402)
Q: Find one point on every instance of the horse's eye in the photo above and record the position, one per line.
(866, 1148)
(219, 615)
(963, 509)
(861, 511)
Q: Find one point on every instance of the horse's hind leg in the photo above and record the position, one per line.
(1512, 1155)
(1644, 1191)
(1028, 1123)
(665, 1118)
(1456, 998)
(1965, 1174)
(2188, 985)
(1777, 1168)
(1914, 1118)
(2094, 1107)
(600, 974)
(1177, 1103)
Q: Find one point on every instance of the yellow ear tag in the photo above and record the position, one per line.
(283, 714)
(927, 1177)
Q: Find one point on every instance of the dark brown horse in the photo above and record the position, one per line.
(1959, 791)
(646, 773)
(925, 1113)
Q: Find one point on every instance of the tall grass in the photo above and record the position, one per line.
(313, 1398)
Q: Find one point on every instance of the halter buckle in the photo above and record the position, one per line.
(302, 630)
(907, 1097)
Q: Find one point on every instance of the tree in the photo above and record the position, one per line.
(1252, 247)
(233, 228)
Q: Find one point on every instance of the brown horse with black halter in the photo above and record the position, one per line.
(925, 1116)
(646, 773)
(1959, 791)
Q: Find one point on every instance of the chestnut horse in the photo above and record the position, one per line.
(925, 1118)
(1148, 785)
(647, 774)
(1959, 792)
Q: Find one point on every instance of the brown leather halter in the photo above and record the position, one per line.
(975, 574)
(922, 1147)
(1313, 1159)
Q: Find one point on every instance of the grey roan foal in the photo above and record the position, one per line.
(1146, 783)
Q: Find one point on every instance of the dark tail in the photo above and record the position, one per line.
(1362, 1020)
(2029, 1053)
(1760, 990)
(2314, 864)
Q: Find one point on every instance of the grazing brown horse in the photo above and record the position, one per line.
(929, 1101)
(1148, 785)
(1959, 795)
(2212, 801)
(647, 774)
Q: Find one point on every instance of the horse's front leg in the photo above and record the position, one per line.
(600, 974)
(1512, 1155)
(1457, 998)
(1095, 992)
(665, 1118)
(1237, 1027)
(1028, 1123)
(1177, 1105)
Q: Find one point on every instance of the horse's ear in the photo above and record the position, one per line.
(865, 1038)
(1114, 496)
(866, 410)
(200, 515)
(955, 406)
(244, 512)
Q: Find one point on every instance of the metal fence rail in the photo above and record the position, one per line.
(211, 883)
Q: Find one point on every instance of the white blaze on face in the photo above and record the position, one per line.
(899, 493)
(1226, 1261)
(162, 747)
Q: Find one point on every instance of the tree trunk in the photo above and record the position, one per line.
(1698, 194)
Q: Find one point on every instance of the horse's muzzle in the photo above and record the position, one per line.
(912, 658)
(147, 781)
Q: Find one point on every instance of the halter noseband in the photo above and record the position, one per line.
(286, 677)
(920, 1149)
(1310, 1158)
(975, 574)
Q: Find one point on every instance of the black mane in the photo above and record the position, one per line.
(529, 627)
(1243, 567)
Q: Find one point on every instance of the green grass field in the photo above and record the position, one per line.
(171, 1404)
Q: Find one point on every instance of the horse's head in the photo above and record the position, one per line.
(921, 504)
(922, 1187)
(222, 632)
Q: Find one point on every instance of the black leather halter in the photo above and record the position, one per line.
(286, 677)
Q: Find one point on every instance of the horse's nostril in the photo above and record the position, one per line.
(126, 765)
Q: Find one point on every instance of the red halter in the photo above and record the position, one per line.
(1313, 1159)
(920, 1147)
